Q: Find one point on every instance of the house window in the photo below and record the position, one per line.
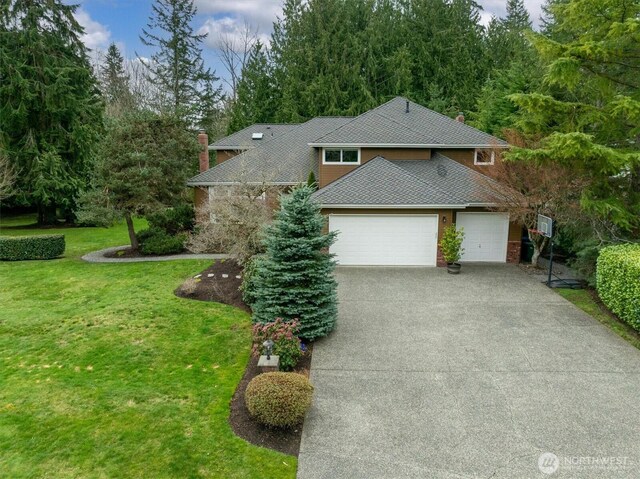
(484, 157)
(349, 156)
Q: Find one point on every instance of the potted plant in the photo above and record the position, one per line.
(451, 246)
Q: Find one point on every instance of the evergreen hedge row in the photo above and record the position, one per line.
(618, 281)
(19, 248)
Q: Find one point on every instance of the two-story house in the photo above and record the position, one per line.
(389, 181)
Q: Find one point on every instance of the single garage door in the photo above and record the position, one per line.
(485, 236)
(385, 240)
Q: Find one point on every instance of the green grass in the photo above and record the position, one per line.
(104, 373)
(584, 300)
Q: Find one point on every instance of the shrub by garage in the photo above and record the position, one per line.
(19, 248)
(279, 399)
(618, 281)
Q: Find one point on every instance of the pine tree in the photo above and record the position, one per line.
(50, 108)
(115, 83)
(295, 278)
(186, 87)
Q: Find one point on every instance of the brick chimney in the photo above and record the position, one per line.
(460, 117)
(203, 139)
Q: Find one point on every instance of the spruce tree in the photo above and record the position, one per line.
(186, 88)
(50, 107)
(295, 278)
(115, 83)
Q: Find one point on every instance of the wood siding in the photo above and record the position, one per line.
(224, 155)
(465, 157)
(330, 173)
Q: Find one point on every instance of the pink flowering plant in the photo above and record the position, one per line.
(286, 343)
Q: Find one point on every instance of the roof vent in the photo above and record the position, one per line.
(257, 136)
(407, 107)
(442, 170)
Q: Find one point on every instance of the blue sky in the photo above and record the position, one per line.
(121, 21)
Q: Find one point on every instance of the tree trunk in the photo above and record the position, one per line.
(132, 232)
(539, 243)
(46, 215)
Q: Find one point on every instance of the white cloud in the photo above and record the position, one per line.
(230, 18)
(232, 29)
(259, 14)
(499, 9)
(96, 35)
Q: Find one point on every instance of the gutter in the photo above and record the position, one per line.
(402, 145)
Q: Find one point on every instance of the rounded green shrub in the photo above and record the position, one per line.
(618, 281)
(279, 399)
(159, 242)
(19, 248)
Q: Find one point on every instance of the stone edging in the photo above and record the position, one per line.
(99, 256)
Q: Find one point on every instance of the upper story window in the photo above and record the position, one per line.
(335, 156)
(484, 157)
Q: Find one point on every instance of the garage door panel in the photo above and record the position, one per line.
(385, 240)
(486, 236)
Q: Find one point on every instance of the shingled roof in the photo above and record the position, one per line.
(438, 182)
(285, 160)
(243, 139)
(391, 124)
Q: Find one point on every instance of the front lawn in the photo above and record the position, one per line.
(105, 373)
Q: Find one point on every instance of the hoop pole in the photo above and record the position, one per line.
(550, 261)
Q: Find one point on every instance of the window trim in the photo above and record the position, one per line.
(475, 157)
(324, 156)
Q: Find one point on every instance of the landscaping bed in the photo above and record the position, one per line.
(220, 282)
(286, 441)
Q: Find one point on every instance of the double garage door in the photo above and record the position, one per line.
(412, 240)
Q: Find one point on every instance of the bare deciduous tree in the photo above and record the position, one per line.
(526, 189)
(234, 49)
(238, 215)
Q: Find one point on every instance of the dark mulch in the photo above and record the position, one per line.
(286, 441)
(216, 288)
(131, 253)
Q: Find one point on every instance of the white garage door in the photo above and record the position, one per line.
(485, 236)
(385, 239)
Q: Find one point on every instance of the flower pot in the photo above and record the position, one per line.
(453, 268)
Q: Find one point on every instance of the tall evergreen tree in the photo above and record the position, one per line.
(589, 115)
(50, 107)
(115, 83)
(507, 40)
(257, 96)
(186, 87)
(295, 278)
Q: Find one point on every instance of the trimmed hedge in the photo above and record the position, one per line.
(618, 281)
(19, 248)
(279, 399)
(155, 241)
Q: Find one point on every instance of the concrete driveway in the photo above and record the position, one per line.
(430, 375)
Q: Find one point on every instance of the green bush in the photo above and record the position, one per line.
(451, 244)
(286, 343)
(18, 248)
(158, 242)
(250, 279)
(279, 399)
(618, 281)
(173, 220)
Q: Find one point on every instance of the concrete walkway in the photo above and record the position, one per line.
(99, 256)
(430, 375)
